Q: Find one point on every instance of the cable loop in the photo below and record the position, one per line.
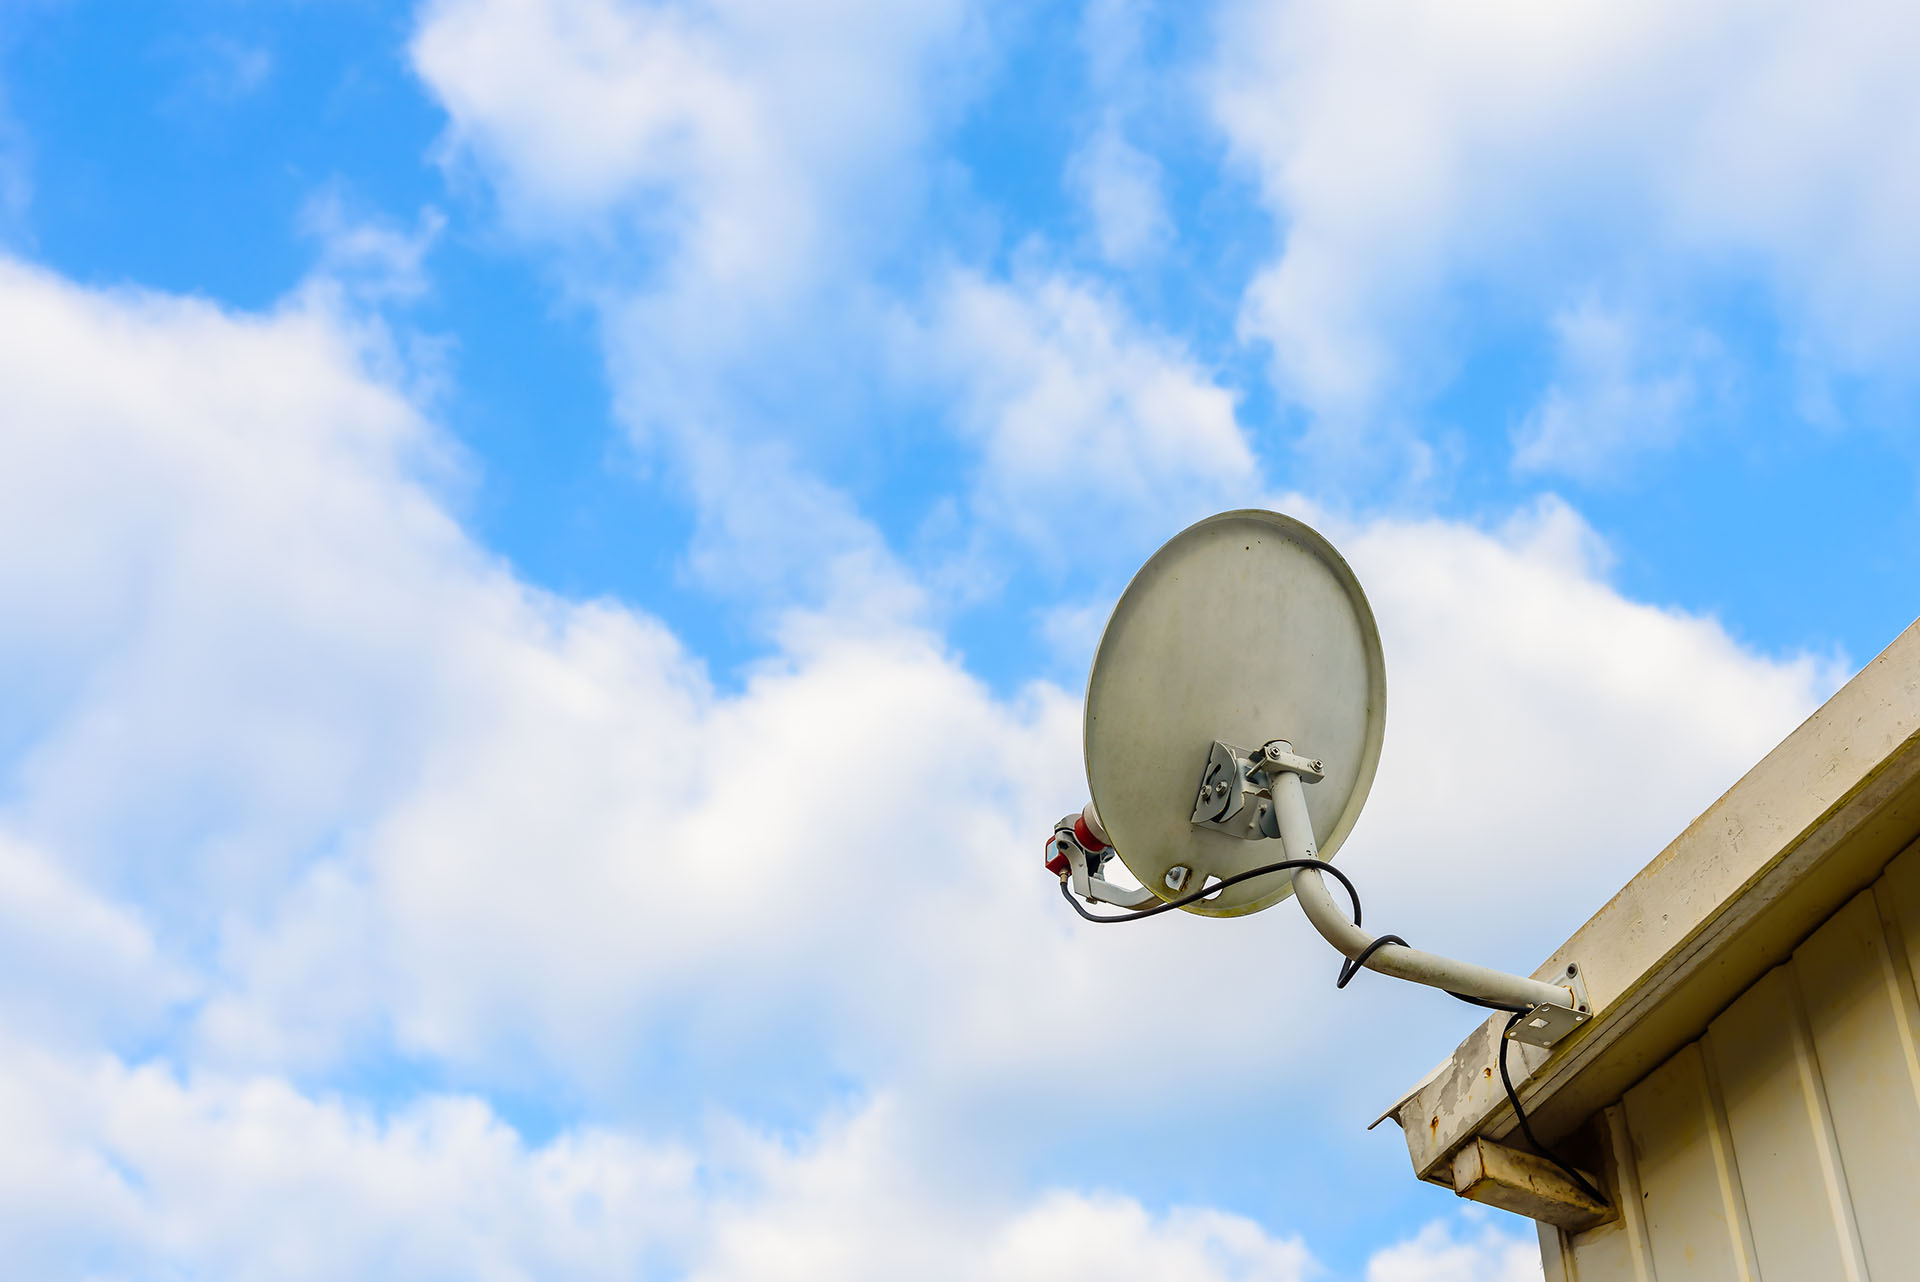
(1208, 891)
(1348, 969)
(1352, 966)
(1526, 1127)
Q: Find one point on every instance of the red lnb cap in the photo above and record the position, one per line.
(1057, 862)
(1084, 835)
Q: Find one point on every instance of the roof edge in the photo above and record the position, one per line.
(1816, 818)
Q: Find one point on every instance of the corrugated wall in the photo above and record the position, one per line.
(1784, 1144)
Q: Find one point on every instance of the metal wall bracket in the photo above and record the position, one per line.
(1236, 788)
(1547, 1023)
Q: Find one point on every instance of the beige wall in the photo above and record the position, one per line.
(1784, 1144)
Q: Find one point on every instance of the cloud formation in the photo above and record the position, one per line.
(748, 168)
(760, 144)
(1077, 414)
(360, 841)
(1502, 159)
(1121, 186)
(1622, 387)
(351, 797)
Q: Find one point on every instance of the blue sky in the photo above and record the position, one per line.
(552, 546)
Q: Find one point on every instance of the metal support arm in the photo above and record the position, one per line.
(1566, 1007)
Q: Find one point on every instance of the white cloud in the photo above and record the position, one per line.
(1111, 31)
(1533, 152)
(371, 257)
(369, 796)
(1116, 181)
(1437, 1255)
(1081, 416)
(1513, 668)
(83, 969)
(122, 1171)
(302, 759)
(1073, 631)
(132, 1171)
(399, 790)
(757, 136)
(1618, 391)
(719, 179)
(1072, 1237)
(770, 531)
(860, 1203)
(188, 543)
(1120, 185)
(118, 1171)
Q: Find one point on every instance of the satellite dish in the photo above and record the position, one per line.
(1244, 628)
(1234, 719)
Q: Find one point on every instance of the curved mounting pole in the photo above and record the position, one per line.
(1564, 1006)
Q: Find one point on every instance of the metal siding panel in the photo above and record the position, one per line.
(1727, 1167)
(1899, 889)
(1896, 898)
(1603, 1254)
(1670, 1120)
(1762, 1058)
(1615, 1252)
(1806, 1096)
(1556, 1262)
(1863, 1037)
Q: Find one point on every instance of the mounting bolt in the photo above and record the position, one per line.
(1177, 876)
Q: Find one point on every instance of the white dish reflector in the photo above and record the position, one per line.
(1246, 627)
